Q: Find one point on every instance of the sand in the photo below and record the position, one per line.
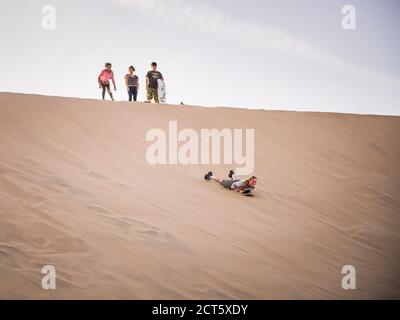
(76, 192)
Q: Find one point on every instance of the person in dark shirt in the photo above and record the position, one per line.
(152, 83)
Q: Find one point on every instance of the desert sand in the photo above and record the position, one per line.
(76, 192)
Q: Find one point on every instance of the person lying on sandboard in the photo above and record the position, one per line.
(243, 186)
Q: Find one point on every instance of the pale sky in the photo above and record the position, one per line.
(286, 54)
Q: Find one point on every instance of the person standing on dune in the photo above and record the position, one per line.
(104, 80)
(152, 83)
(132, 84)
(243, 186)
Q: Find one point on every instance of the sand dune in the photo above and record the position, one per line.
(76, 192)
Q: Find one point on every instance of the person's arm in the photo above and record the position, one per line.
(98, 79)
(126, 83)
(137, 83)
(113, 81)
(147, 83)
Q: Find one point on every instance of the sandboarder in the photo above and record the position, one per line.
(243, 186)
(104, 80)
(152, 83)
(132, 84)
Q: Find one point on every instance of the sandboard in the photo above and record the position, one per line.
(162, 94)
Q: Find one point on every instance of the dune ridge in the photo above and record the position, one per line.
(76, 192)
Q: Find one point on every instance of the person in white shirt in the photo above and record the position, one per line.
(243, 186)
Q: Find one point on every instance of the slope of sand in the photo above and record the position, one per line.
(76, 192)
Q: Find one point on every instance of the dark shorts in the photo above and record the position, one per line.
(105, 85)
(226, 183)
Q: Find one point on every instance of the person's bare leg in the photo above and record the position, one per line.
(110, 93)
(216, 178)
(209, 176)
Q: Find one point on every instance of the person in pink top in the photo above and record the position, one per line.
(104, 80)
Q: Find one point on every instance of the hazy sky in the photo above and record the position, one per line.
(286, 54)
